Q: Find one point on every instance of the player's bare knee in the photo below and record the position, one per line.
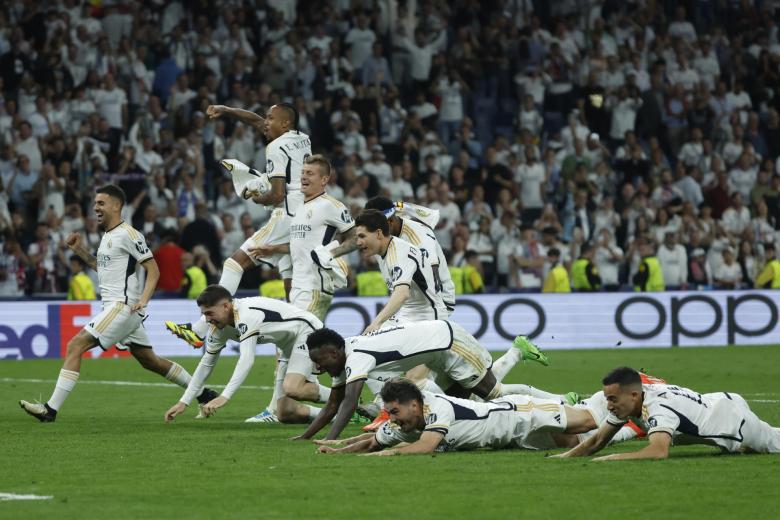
(292, 388)
(242, 259)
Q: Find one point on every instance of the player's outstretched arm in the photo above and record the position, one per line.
(152, 276)
(365, 443)
(327, 413)
(593, 443)
(657, 448)
(425, 444)
(196, 384)
(246, 358)
(245, 116)
(346, 409)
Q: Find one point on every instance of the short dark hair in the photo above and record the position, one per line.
(321, 161)
(379, 203)
(623, 376)
(372, 220)
(112, 190)
(769, 245)
(324, 336)
(212, 295)
(291, 113)
(554, 251)
(400, 390)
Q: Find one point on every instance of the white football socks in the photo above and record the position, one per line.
(65, 383)
(177, 375)
(505, 363)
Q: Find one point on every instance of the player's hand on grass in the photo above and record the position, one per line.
(214, 111)
(73, 241)
(212, 406)
(175, 410)
(299, 438)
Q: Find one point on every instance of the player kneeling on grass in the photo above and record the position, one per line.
(673, 414)
(121, 253)
(461, 364)
(436, 422)
(249, 320)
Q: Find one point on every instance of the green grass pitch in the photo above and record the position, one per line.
(110, 455)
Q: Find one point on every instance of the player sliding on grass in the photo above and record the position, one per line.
(120, 253)
(461, 364)
(435, 422)
(249, 320)
(670, 414)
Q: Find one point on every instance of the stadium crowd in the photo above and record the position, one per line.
(543, 132)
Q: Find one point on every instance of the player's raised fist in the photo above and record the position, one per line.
(73, 240)
(214, 111)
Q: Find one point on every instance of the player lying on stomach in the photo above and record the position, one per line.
(461, 364)
(435, 422)
(672, 414)
(249, 321)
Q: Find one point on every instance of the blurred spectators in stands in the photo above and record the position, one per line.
(614, 124)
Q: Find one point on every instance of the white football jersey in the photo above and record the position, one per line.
(284, 158)
(264, 320)
(420, 235)
(390, 352)
(469, 425)
(314, 224)
(405, 264)
(119, 255)
(688, 416)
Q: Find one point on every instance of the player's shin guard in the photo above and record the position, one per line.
(231, 275)
(177, 375)
(65, 383)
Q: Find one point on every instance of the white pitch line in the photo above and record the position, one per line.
(118, 383)
(5, 497)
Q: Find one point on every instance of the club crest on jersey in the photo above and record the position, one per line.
(396, 274)
(309, 214)
(242, 328)
(345, 216)
(269, 166)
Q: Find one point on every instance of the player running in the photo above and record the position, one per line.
(435, 422)
(249, 321)
(285, 154)
(673, 414)
(121, 251)
(461, 364)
